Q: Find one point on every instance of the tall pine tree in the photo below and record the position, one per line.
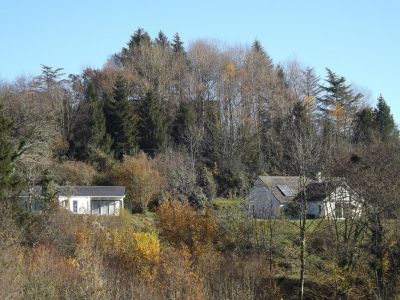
(384, 120)
(120, 121)
(153, 131)
(257, 47)
(177, 44)
(139, 37)
(365, 126)
(339, 103)
(162, 40)
(89, 131)
(184, 118)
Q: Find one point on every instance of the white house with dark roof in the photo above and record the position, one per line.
(96, 200)
(332, 199)
(271, 195)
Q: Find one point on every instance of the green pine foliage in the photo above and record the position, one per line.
(49, 191)
(365, 126)
(184, 118)
(339, 99)
(177, 44)
(89, 132)
(139, 37)
(153, 130)
(257, 46)
(384, 120)
(120, 120)
(375, 123)
(301, 119)
(162, 40)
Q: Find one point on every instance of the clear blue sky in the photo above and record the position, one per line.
(357, 39)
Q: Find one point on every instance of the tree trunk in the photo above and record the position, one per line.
(302, 254)
(378, 252)
(302, 227)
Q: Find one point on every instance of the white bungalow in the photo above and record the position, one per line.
(97, 200)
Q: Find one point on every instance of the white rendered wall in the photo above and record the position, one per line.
(83, 203)
(262, 203)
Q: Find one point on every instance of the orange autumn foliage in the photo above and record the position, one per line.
(182, 226)
(143, 182)
(137, 250)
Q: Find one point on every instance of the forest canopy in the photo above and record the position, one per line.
(184, 128)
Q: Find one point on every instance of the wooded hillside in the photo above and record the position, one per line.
(180, 126)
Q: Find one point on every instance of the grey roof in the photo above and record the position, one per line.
(319, 191)
(94, 191)
(272, 183)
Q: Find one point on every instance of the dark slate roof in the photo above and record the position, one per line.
(272, 183)
(94, 191)
(318, 191)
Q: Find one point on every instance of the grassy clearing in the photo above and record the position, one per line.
(144, 221)
(227, 203)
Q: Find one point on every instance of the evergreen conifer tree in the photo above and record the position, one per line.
(302, 121)
(120, 122)
(89, 130)
(97, 122)
(384, 119)
(365, 126)
(257, 46)
(281, 75)
(49, 192)
(153, 129)
(177, 44)
(139, 37)
(162, 40)
(339, 103)
(184, 118)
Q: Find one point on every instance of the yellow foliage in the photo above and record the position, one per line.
(309, 99)
(230, 71)
(82, 236)
(140, 250)
(338, 111)
(176, 277)
(72, 262)
(182, 226)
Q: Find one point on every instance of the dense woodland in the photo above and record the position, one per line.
(187, 130)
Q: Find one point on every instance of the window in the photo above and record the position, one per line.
(75, 207)
(103, 207)
(286, 190)
(339, 210)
